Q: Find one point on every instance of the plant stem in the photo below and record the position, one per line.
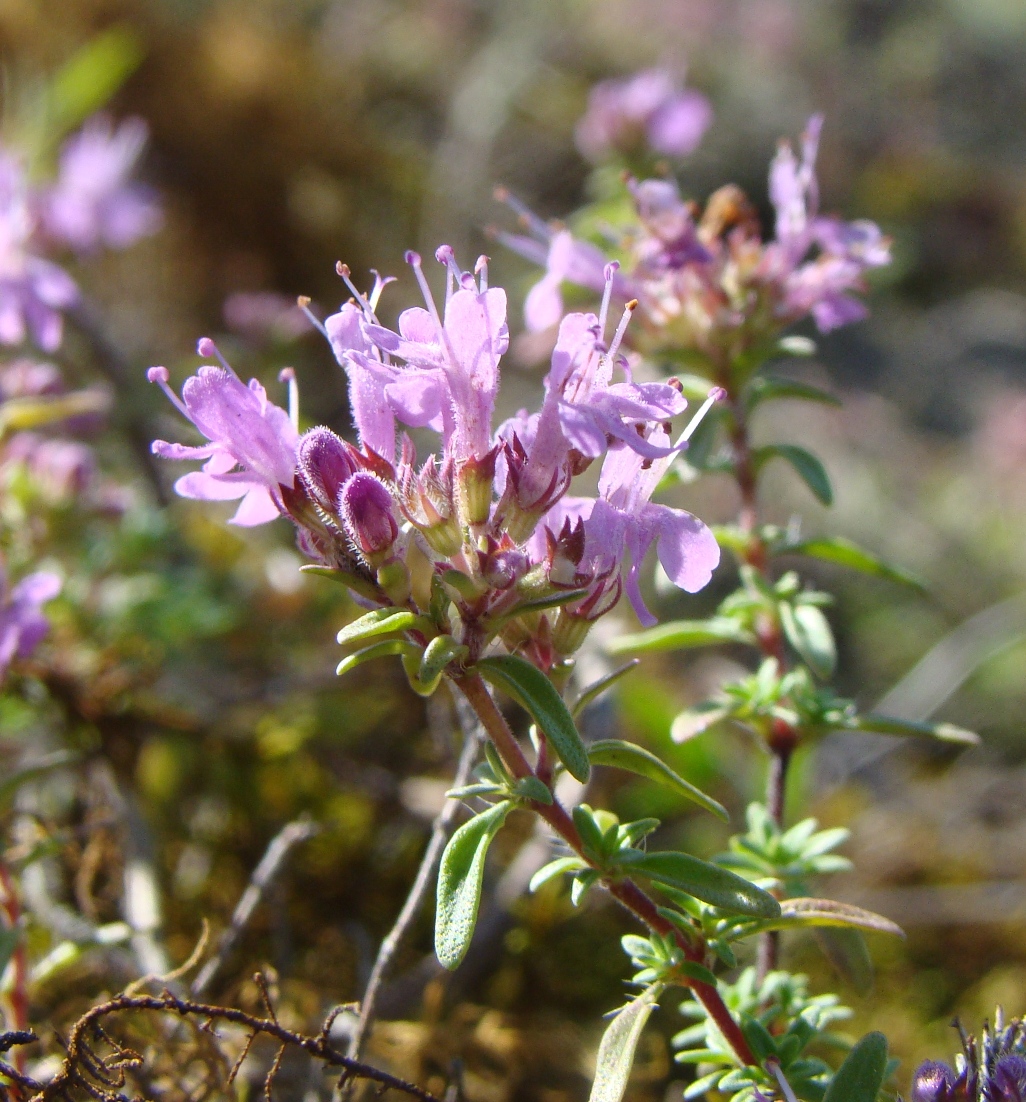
(624, 890)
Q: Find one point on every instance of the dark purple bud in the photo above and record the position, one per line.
(368, 513)
(933, 1082)
(324, 466)
(1009, 1079)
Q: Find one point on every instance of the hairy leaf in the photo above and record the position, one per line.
(528, 685)
(442, 650)
(619, 1043)
(805, 911)
(636, 759)
(861, 1076)
(710, 883)
(382, 621)
(809, 468)
(681, 634)
(460, 876)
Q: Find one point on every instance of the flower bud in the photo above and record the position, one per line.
(324, 466)
(367, 511)
(933, 1082)
(474, 481)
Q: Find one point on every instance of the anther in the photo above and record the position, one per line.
(481, 270)
(288, 375)
(628, 311)
(343, 271)
(160, 376)
(206, 348)
(303, 302)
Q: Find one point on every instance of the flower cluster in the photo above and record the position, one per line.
(651, 109)
(92, 203)
(991, 1069)
(706, 279)
(484, 522)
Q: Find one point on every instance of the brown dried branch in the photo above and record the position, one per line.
(104, 1078)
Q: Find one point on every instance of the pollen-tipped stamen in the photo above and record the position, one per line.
(303, 302)
(288, 375)
(160, 376)
(206, 348)
(608, 272)
(628, 313)
(715, 395)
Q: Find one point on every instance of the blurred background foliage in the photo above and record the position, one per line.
(191, 667)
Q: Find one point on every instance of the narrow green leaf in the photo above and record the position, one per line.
(377, 650)
(460, 877)
(19, 414)
(809, 468)
(382, 621)
(681, 634)
(636, 759)
(528, 685)
(589, 830)
(533, 788)
(552, 870)
(764, 388)
(808, 631)
(92, 76)
(842, 551)
(805, 911)
(846, 950)
(758, 1038)
(597, 688)
(619, 1043)
(710, 883)
(889, 725)
(540, 604)
(363, 586)
(442, 650)
(861, 1076)
(695, 971)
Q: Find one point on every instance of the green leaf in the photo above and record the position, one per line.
(540, 604)
(597, 688)
(533, 788)
(528, 685)
(636, 759)
(92, 76)
(460, 876)
(619, 1043)
(10, 939)
(842, 551)
(809, 468)
(758, 1038)
(695, 971)
(861, 1076)
(10, 784)
(764, 388)
(382, 621)
(693, 721)
(363, 586)
(710, 883)
(377, 650)
(889, 725)
(552, 870)
(442, 650)
(846, 950)
(681, 634)
(805, 911)
(808, 631)
(19, 414)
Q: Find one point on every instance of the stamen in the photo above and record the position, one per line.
(414, 261)
(535, 251)
(207, 348)
(481, 270)
(715, 395)
(303, 302)
(527, 218)
(344, 272)
(380, 283)
(160, 376)
(608, 272)
(628, 312)
(444, 255)
(288, 375)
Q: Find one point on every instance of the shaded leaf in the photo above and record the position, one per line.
(808, 631)
(842, 551)
(460, 876)
(710, 883)
(636, 759)
(846, 950)
(540, 604)
(889, 725)
(442, 650)
(92, 76)
(805, 911)
(533, 788)
(619, 1043)
(808, 467)
(378, 650)
(680, 634)
(861, 1076)
(528, 685)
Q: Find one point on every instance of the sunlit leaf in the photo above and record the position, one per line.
(460, 877)
(809, 468)
(710, 883)
(808, 631)
(619, 1043)
(528, 685)
(88, 81)
(384, 649)
(382, 621)
(681, 634)
(636, 759)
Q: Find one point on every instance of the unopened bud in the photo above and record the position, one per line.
(368, 514)
(933, 1082)
(474, 481)
(324, 466)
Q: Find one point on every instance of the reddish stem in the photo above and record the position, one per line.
(622, 889)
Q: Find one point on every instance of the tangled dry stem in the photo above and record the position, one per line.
(89, 1073)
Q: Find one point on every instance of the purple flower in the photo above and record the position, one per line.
(94, 201)
(651, 108)
(933, 1082)
(264, 315)
(22, 625)
(25, 378)
(60, 468)
(245, 431)
(368, 513)
(33, 291)
(1008, 1083)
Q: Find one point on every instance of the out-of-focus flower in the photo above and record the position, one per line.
(264, 315)
(651, 109)
(245, 430)
(22, 623)
(33, 291)
(25, 378)
(59, 468)
(94, 201)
